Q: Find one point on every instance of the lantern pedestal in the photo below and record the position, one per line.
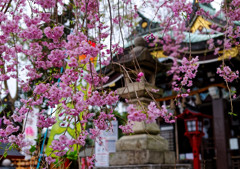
(141, 149)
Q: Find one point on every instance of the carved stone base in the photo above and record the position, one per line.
(145, 128)
(141, 157)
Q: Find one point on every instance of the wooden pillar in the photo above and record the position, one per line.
(220, 135)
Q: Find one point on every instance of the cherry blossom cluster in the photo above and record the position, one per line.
(154, 112)
(227, 73)
(139, 76)
(184, 73)
(149, 115)
(48, 52)
(127, 128)
(61, 68)
(149, 37)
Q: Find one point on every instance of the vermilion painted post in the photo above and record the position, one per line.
(195, 149)
(66, 164)
(194, 131)
(195, 140)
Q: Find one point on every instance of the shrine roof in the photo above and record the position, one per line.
(189, 37)
(13, 153)
(212, 12)
(153, 25)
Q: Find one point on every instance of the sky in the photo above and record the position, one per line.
(217, 4)
(147, 10)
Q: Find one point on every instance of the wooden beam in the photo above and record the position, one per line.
(193, 92)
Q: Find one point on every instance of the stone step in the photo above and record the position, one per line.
(150, 166)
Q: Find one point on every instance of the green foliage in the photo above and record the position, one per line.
(122, 120)
(32, 149)
(8, 113)
(232, 114)
(72, 155)
(2, 107)
(5, 154)
(89, 142)
(233, 91)
(10, 148)
(56, 163)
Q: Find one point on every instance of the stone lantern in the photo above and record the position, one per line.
(145, 146)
